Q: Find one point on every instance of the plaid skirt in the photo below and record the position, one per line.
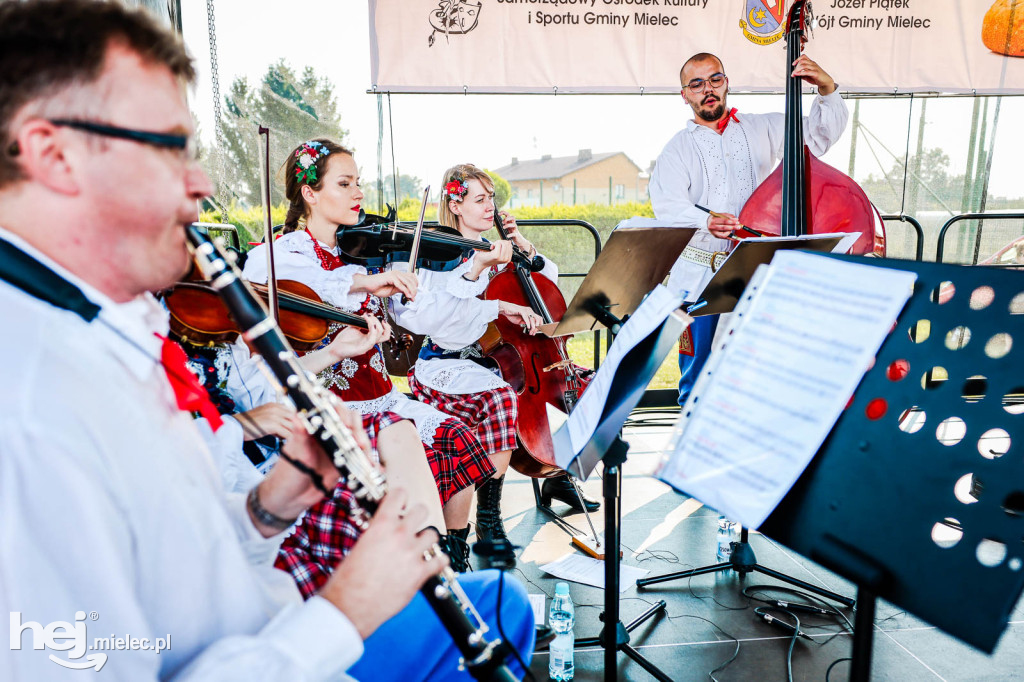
(493, 414)
(457, 459)
(326, 532)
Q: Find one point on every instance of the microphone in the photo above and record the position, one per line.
(537, 264)
(496, 554)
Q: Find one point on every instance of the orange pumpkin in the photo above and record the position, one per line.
(1002, 30)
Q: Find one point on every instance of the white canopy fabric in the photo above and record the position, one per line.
(638, 46)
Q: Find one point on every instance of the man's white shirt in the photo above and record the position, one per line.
(110, 504)
(720, 172)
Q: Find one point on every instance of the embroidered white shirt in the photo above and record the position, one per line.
(295, 259)
(447, 310)
(720, 172)
(110, 503)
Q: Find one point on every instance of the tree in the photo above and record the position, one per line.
(409, 186)
(502, 190)
(294, 108)
(937, 188)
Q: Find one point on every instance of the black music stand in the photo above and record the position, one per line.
(725, 287)
(637, 257)
(947, 478)
(631, 377)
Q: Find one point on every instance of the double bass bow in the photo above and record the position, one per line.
(538, 367)
(804, 195)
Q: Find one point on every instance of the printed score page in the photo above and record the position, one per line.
(781, 381)
(572, 435)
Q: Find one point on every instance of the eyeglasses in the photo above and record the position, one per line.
(184, 145)
(716, 80)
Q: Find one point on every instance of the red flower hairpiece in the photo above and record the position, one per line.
(456, 189)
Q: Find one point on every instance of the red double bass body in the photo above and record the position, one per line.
(835, 202)
(804, 195)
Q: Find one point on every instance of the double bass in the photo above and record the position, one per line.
(804, 195)
(537, 367)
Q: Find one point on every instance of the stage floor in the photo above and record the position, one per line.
(680, 533)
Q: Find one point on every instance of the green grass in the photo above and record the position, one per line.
(581, 350)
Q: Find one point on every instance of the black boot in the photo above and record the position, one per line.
(489, 527)
(455, 545)
(560, 488)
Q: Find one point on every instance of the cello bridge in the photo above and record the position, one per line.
(561, 364)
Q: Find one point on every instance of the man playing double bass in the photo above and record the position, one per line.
(717, 161)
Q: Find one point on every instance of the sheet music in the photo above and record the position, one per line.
(800, 345)
(846, 239)
(590, 571)
(537, 602)
(578, 430)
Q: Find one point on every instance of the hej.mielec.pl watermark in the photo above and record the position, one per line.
(73, 639)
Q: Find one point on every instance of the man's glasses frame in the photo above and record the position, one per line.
(172, 141)
(716, 80)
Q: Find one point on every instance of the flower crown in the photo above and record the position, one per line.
(306, 157)
(456, 189)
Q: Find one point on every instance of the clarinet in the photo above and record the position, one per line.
(484, 659)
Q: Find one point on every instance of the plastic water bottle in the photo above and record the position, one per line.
(725, 537)
(561, 618)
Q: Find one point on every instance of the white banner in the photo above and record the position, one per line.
(638, 46)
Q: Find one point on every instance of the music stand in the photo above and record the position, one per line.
(637, 257)
(950, 478)
(634, 372)
(720, 296)
(725, 287)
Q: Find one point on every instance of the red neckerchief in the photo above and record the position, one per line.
(724, 121)
(189, 393)
(328, 260)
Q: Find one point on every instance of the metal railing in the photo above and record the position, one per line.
(919, 244)
(940, 249)
(559, 222)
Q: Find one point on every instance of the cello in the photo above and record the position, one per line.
(537, 367)
(804, 195)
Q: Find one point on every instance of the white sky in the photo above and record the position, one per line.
(432, 132)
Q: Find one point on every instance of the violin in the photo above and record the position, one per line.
(199, 316)
(804, 195)
(537, 367)
(375, 242)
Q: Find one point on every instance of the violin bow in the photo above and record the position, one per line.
(268, 231)
(414, 252)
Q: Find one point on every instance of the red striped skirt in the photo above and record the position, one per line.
(493, 414)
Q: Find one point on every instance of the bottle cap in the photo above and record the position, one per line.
(562, 589)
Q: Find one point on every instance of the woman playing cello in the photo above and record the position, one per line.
(451, 373)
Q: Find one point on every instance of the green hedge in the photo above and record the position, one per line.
(571, 247)
(249, 221)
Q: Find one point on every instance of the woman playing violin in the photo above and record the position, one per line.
(451, 373)
(322, 186)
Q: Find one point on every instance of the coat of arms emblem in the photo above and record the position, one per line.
(764, 21)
